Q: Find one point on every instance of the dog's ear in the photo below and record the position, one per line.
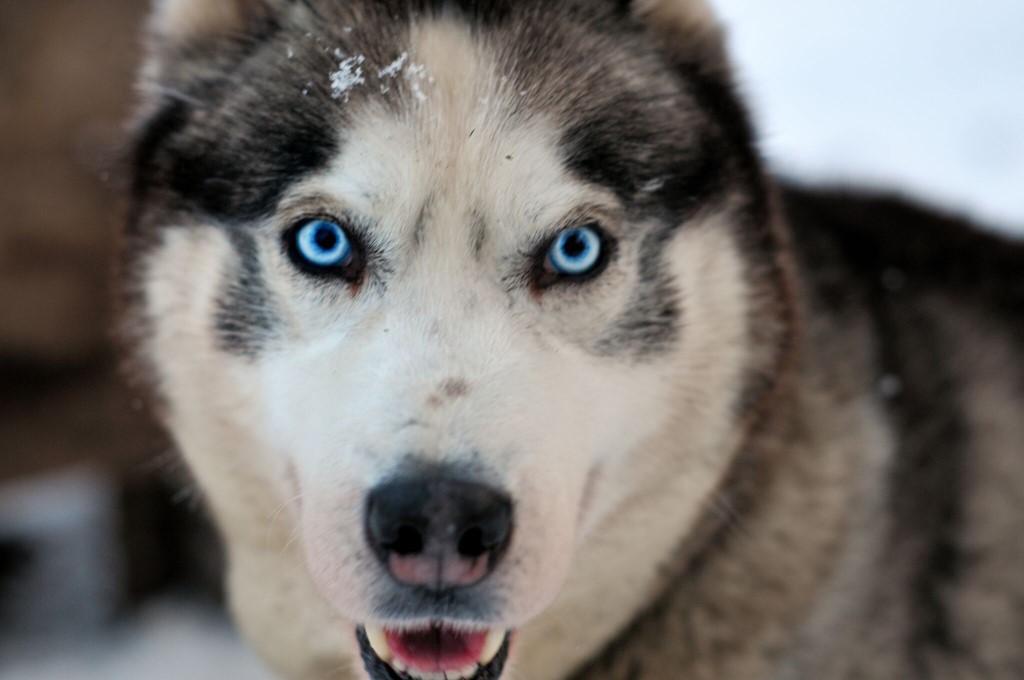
(688, 29)
(180, 20)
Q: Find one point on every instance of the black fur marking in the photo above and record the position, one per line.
(880, 235)
(638, 161)
(241, 177)
(245, 319)
(690, 182)
(171, 117)
(477, 13)
(246, 122)
(651, 323)
(484, 13)
(624, 7)
(928, 478)
(717, 99)
(637, 140)
(593, 152)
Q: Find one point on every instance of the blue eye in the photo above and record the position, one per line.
(576, 251)
(322, 244)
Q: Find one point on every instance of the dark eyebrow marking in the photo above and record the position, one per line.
(593, 153)
(665, 172)
(241, 176)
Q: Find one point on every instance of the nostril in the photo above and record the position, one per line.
(471, 543)
(408, 541)
(395, 519)
(489, 533)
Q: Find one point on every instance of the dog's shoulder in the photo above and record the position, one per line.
(944, 304)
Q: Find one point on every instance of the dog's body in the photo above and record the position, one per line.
(769, 433)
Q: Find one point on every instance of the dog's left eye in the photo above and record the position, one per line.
(576, 252)
(324, 247)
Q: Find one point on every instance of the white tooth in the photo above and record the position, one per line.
(379, 643)
(467, 672)
(495, 639)
(398, 665)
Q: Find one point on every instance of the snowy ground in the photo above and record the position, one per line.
(926, 96)
(167, 641)
(923, 95)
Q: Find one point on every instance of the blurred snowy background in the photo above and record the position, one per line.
(922, 96)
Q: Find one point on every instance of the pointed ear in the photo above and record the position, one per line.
(179, 20)
(689, 29)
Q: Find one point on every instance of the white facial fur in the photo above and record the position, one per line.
(288, 444)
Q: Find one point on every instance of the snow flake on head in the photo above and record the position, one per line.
(348, 75)
(412, 72)
(414, 75)
(394, 68)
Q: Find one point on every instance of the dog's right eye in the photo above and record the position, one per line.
(322, 246)
(575, 252)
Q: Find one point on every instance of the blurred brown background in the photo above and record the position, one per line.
(66, 70)
(94, 516)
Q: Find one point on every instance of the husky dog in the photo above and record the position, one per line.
(499, 355)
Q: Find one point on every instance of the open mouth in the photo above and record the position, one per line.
(437, 652)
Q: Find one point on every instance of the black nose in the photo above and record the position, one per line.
(436, 531)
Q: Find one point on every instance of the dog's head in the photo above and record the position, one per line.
(442, 286)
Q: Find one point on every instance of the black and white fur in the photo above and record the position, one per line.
(778, 437)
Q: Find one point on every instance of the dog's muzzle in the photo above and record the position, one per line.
(438, 536)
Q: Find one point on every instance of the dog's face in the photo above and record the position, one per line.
(433, 280)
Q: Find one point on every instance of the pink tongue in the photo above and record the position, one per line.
(436, 649)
